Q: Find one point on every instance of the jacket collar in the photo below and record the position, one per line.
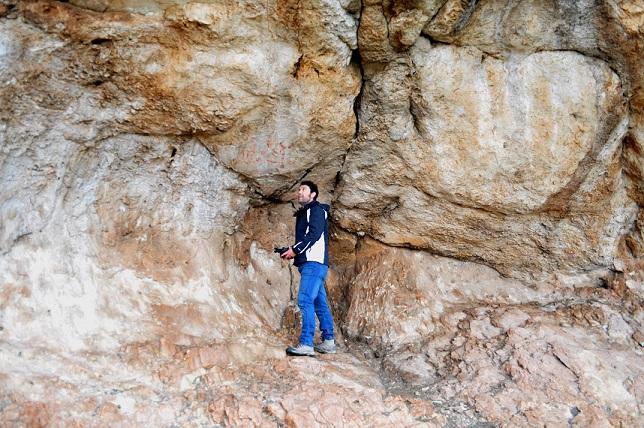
(305, 207)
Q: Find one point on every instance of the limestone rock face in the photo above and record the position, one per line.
(490, 152)
(484, 163)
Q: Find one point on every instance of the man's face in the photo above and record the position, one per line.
(304, 195)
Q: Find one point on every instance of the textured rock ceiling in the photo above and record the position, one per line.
(484, 161)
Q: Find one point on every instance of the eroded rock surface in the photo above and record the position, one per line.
(243, 383)
(458, 331)
(484, 165)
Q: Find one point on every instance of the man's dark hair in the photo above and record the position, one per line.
(312, 187)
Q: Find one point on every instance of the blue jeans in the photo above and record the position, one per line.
(312, 297)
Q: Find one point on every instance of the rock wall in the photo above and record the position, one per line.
(483, 161)
(500, 150)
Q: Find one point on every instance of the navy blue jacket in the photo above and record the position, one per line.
(312, 234)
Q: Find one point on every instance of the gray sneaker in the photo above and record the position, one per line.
(326, 347)
(300, 350)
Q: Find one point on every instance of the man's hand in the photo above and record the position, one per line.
(288, 254)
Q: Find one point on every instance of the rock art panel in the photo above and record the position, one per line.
(259, 84)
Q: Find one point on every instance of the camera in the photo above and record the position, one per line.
(280, 250)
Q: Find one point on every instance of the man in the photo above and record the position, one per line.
(312, 260)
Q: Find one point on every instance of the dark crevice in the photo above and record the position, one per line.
(357, 60)
(296, 66)
(462, 20)
(100, 41)
(336, 181)
(8, 8)
(438, 9)
(434, 41)
(413, 110)
(297, 182)
(435, 252)
(275, 196)
(554, 354)
(270, 198)
(465, 16)
(172, 155)
(16, 240)
(384, 14)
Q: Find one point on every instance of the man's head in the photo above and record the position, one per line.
(308, 192)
